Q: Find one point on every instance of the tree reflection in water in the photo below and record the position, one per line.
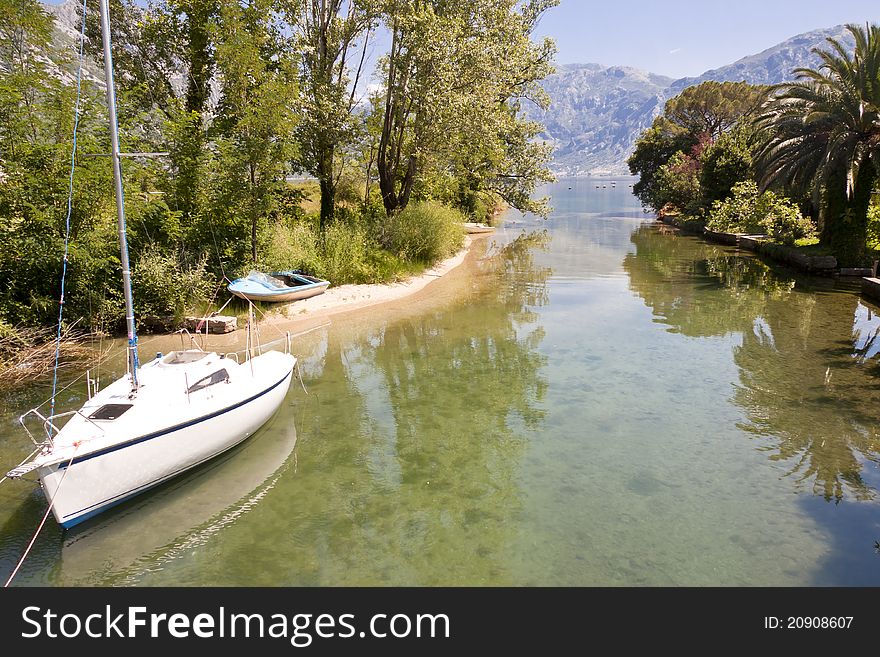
(808, 358)
(416, 455)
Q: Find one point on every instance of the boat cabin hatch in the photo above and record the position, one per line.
(220, 376)
(109, 411)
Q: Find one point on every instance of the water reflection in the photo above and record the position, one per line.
(411, 439)
(699, 289)
(598, 404)
(804, 382)
(807, 361)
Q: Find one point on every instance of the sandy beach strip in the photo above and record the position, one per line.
(347, 298)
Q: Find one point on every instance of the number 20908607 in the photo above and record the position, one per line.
(808, 622)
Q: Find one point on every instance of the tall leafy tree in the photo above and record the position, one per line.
(334, 35)
(36, 122)
(725, 163)
(700, 114)
(253, 129)
(823, 133)
(163, 54)
(654, 149)
(454, 76)
(25, 34)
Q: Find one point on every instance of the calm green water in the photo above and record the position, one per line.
(605, 403)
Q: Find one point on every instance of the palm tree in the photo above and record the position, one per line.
(822, 134)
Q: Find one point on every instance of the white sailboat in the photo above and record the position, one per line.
(160, 419)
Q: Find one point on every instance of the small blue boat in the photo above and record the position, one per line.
(277, 286)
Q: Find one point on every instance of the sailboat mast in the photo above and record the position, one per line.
(120, 199)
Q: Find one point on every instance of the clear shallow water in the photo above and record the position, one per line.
(604, 403)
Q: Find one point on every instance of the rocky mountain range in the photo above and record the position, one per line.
(597, 112)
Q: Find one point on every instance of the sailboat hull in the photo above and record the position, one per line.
(88, 485)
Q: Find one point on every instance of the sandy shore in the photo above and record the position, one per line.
(347, 298)
(349, 303)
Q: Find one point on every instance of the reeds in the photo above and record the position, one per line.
(29, 353)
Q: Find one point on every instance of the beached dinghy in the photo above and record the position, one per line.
(475, 228)
(277, 286)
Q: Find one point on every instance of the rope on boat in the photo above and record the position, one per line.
(43, 521)
(225, 304)
(76, 113)
(299, 374)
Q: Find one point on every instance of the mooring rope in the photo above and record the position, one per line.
(76, 112)
(43, 521)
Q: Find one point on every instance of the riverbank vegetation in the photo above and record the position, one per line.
(244, 96)
(798, 161)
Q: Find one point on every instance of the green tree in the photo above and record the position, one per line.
(725, 163)
(654, 148)
(453, 78)
(25, 34)
(163, 56)
(712, 108)
(253, 130)
(678, 182)
(822, 132)
(334, 36)
(699, 115)
(36, 123)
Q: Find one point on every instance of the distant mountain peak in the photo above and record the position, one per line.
(775, 64)
(597, 112)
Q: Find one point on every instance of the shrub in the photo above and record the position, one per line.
(424, 232)
(291, 245)
(874, 226)
(678, 182)
(749, 211)
(725, 163)
(163, 285)
(344, 252)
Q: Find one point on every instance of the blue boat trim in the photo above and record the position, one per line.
(251, 286)
(177, 427)
(75, 518)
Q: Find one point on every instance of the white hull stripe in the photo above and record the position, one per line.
(75, 518)
(178, 427)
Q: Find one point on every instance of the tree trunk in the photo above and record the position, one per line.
(409, 179)
(391, 199)
(386, 185)
(200, 61)
(832, 210)
(254, 213)
(327, 185)
(369, 173)
(201, 68)
(845, 230)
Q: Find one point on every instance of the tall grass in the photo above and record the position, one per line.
(363, 247)
(27, 352)
(345, 255)
(290, 246)
(424, 232)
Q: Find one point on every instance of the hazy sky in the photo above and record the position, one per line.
(686, 37)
